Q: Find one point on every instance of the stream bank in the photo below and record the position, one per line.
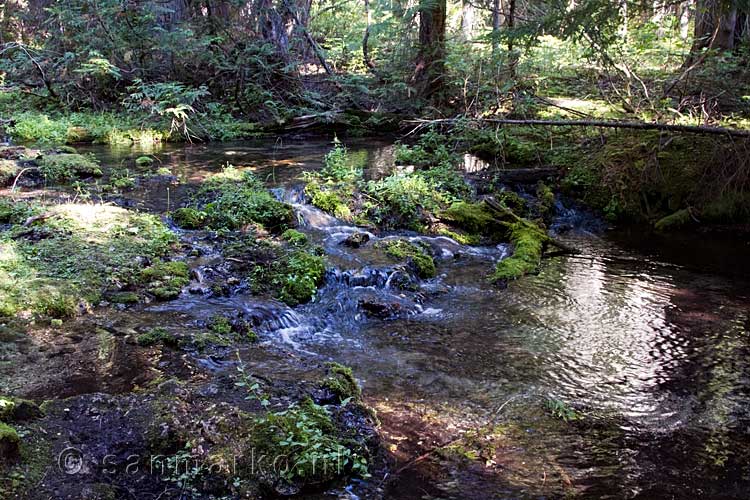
(581, 380)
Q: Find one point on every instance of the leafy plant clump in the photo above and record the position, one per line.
(156, 336)
(305, 437)
(231, 200)
(291, 276)
(562, 411)
(416, 256)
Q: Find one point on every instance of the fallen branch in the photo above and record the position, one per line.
(689, 129)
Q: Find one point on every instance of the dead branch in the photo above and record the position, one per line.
(688, 129)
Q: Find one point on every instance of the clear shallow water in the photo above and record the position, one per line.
(648, 338)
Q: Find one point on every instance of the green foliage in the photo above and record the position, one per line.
(329, 201)
(562, 411)
(340, 166)
(66, 167)
(292, 277)
(156, 336)
(401, 199)
(234, 199)
(189, 218)
(165, 280)
(305, 435)
(294, 237)
(34, 127)
(414, 255)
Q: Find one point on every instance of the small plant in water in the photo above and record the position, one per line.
(560, 410)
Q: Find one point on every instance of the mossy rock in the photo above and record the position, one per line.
(292, 277)
(415, 256)
(234, 199)
(294, 237)
(18, 410)
(8, 171)
(165, 280)
(144, 161)
(341, 382)
(9, 443)
(66, 167)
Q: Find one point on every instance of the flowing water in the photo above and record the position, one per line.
(647, 338)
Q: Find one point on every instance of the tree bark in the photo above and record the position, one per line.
(715, 21)
(430, 68)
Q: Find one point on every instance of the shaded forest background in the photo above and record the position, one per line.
(273, 60)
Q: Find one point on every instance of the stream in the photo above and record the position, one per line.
(646, 337)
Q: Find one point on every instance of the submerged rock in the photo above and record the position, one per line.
(356, 240)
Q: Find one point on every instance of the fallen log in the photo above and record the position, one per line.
(690, 129)
(520, 175)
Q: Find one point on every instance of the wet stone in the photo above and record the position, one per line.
(356, 240)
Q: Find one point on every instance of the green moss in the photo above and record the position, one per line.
(677, 219)
(17, 410)
(415, 256)
(462, 238)
(473, 217)
(165, 280)
(294, 237)
(545, 199)
(9, 443)
(528, 242)
(6, 409)
(156, 336)
(340, 381)
(189, 218)
(8, 172)
(234, 199)
(144, 161)
(73, 255)
(220, 325)
(124, 298)
(66, 167)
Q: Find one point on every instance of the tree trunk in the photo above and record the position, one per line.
(430, 68)
(365, 46)
(715, 21)
(467, 20)
(497, 20)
